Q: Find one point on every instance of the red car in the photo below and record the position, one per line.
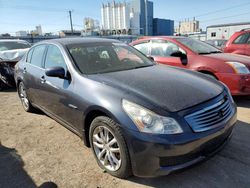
(239, 43)
(231, 69)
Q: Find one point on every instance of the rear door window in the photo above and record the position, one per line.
(143, 47)
(242, 39)
(29, 55)
(164, 48)
(37, 55)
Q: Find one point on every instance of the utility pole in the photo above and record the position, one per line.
(72, 31)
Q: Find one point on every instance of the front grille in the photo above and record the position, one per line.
(210, 117)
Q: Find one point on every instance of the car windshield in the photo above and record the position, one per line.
(10, 45)
(99, 58)
(198, 46)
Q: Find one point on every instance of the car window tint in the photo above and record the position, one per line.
(106, 57)
(37, 55)
(248, 42)
(54, 58)
(28, 59)
(124, 54)
(242, 39)
(164, 48)
(143, 47)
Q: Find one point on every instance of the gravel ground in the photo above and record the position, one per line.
(36, 151)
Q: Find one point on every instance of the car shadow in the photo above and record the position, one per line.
(8, 90)
(12, 173)
(242, 101)
(229, 168)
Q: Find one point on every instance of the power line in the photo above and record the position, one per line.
(226, 17)
(218, 11)
(221, 10)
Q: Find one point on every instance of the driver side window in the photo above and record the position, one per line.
(143, 47)
(164, 48)
(54, 58)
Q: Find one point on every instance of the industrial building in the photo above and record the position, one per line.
(188, 26)
(115, 17)
(134, 17)
(163, 27)
(143, 9)
(225, 31)
(21, 33)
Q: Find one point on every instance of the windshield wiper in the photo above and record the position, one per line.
(215, 52)
(212, 52)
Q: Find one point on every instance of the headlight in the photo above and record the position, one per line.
(238, 67)
(149, 122)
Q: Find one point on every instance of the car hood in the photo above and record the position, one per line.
(12, 55)
(231, 57)
(171, 88)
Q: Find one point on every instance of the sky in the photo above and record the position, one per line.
(53, 16)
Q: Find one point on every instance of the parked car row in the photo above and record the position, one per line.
(130, 110)
(126, 104)
(239, 43)
(231, 69)
(11, 51)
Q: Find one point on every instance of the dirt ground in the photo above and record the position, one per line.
(36, 151)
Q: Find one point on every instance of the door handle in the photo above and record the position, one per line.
(24, 70)
(43, 79)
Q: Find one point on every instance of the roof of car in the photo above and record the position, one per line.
(172, 37)
(67, 41)
(12, 40)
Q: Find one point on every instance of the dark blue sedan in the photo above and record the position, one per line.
(139, 118)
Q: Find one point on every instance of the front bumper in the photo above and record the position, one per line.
(157, 155)
(238, 84)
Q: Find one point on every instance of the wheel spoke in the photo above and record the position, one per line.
(114, 159)
(111, 160)
(100, 146)
(105, 161)
(98, 139)
(112, 142)
(102, 134)
(106, 134)
(115, 150)
(100, 155)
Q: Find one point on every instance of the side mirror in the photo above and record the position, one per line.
(181, 55)
(58, 72)
(151, 58)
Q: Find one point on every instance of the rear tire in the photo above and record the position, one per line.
(109, 147)
(27, 106)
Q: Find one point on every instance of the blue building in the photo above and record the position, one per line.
(144, 9)
(163, 27)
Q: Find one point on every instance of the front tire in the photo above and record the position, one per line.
(27, 106)
(109, 147)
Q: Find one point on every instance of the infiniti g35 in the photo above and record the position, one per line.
(139, 118)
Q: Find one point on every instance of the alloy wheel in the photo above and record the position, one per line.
(106, 148)
(23, 96)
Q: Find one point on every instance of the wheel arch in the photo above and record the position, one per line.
(209, 72)
(89, 116)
